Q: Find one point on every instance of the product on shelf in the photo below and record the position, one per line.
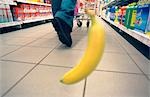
(18, 14)
(142, 18)
(33, 11)
(5, 13)
(2, 14)
(148, 34)
(107, 13)
(30, 12)
(116, 15)
(26, 10)
(8, 12)
(112, 13)
(122, 14)
(47, 1)
(130, 17)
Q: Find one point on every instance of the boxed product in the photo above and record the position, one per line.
(130, 17)
(143, 15)
(47, 1)
(33, 11)
(37, 14)
(4, 15)
(1, 13)
(147, 30)
(116, 15)
(8, 13)
(18, 14)
(122, 15)
(112, 13)
(26, 11)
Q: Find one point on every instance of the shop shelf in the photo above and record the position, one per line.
(38, 19)
(9, 24)
(118, 2)
(135, 34)
(9, 3)
(30, 2)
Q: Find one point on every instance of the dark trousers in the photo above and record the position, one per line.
(64, 9)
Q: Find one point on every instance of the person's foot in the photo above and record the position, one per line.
(63, 31)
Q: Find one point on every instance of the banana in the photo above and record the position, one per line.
(92, 55)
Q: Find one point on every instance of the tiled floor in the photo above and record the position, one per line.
(32, 61)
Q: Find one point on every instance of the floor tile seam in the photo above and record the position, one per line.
(48, 54)
(77, 31)
(113, 52)
(132, 59)
(5, 60)
(84, 88)
(21, 61)
(78, 49)
(50, 65)
(16, 83)
(137, 65)
(120, 72)
(47, 34)
(94, 70)
(25, 74)
(19, 48)
(40, 46)
(73, 66)
(38, 38)
(126, 50)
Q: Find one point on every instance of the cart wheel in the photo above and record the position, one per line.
(79, 23)
(88, 23)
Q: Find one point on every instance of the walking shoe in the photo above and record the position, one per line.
(63, 31)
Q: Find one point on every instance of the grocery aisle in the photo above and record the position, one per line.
(33, 60)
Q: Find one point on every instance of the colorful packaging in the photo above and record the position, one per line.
(112, 13)
(5, 15)
(142, 18)
(116, 15)
(130, 17)
(148, 24)
(8, 13)
(122, 15)
(1, 13)
(18, 14)
(33, 11)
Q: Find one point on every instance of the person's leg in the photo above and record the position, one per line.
(66, 11)
(56, 4)
(63, 19)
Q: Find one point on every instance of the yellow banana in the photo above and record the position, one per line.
(92, 55)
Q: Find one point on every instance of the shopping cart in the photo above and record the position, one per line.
(80, 14)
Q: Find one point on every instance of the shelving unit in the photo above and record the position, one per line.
(118, 2)
(9, 3)
(110, 3)
(29, 2)
(15, 3)
(36, 20)
(15, 23)
(139, 40)
(137, 35)
(9, 24)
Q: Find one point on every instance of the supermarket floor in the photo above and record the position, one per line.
(33, 60)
